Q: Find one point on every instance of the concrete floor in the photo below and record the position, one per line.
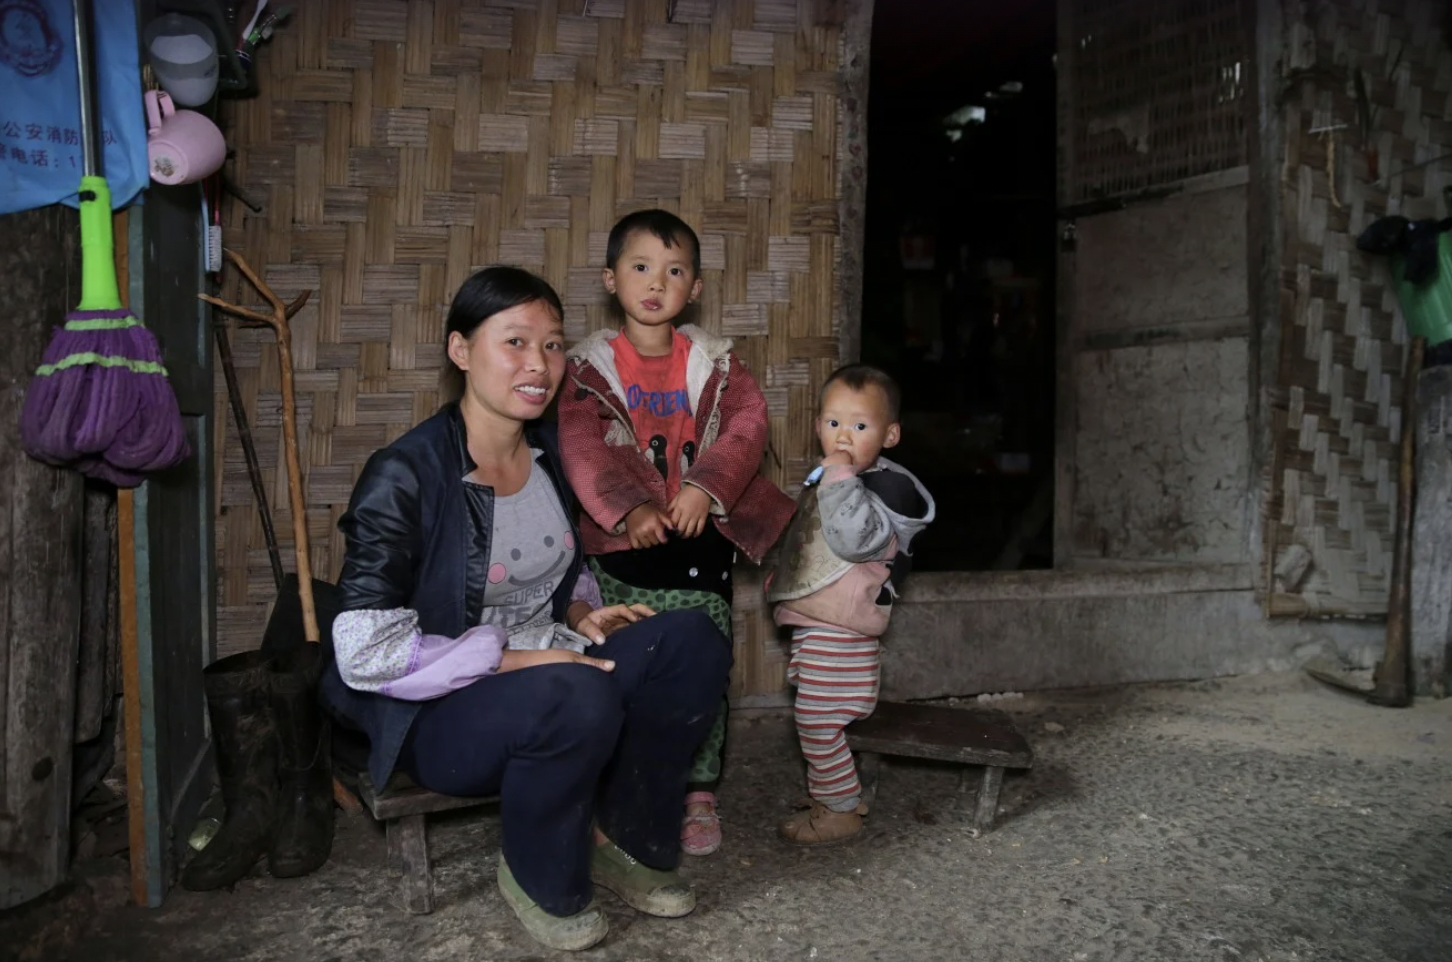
(1263, 818)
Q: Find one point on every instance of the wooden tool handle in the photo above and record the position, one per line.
(278, 321)
(1393, 675)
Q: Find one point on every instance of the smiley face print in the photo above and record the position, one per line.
(535, 562)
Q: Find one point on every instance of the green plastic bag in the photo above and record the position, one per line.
(1427, 307)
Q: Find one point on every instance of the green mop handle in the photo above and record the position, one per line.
(99, 291)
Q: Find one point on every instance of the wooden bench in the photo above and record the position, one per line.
(966, 736)
(402, 807)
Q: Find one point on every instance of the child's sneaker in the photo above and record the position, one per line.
(701, 834)
(819, 825)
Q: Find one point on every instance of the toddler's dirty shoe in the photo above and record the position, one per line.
(819, 825)
(569, 933)
(652, 891)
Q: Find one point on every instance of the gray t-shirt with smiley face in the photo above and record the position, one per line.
(531, 551)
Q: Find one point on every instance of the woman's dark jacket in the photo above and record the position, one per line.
(418, 537)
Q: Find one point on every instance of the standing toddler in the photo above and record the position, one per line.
(834, 583)
(663, 430)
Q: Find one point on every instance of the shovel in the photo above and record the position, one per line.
(1332, 671)
(294, 617)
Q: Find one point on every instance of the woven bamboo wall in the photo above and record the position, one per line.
(1337, 409)
(398, 146)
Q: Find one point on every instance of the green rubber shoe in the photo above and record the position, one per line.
(569, 933)
(662, 894)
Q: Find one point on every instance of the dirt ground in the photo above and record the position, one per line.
(1264, 818)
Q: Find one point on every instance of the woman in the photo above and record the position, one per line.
(466, 613)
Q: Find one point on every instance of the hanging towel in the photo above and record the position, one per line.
(40, 103)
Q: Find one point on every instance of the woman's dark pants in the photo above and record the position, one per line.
(567, 745)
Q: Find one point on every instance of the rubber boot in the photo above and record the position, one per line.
(303, 829)
(238, 692)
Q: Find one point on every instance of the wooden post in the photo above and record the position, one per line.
(1394, 673)
(40, 569)
(1066, 415)
(131, 714)
(1431, 603)
(132, 719)
(856, 21)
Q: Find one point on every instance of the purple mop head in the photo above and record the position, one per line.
(100, 401)
(105, 471)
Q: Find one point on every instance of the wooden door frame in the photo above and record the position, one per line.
(164, 648)
(855, 70)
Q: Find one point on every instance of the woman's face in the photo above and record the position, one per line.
(514, 362)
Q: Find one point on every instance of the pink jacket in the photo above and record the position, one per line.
(611, 475)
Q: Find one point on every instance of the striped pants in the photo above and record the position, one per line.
(836, 674)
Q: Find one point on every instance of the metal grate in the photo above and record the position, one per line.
(1159, 93)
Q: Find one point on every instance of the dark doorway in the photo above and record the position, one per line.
(958, 293)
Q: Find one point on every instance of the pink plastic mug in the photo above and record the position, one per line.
(182, 145)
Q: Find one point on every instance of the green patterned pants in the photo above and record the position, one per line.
(706, 767)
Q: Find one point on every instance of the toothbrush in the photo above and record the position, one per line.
(246, 35)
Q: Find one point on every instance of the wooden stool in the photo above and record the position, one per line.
(967, 736)
(402, 807)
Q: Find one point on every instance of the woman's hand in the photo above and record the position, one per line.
(515, 660)
(601, 623)
(646, 526)
(689, 510)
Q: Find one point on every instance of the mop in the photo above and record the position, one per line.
(100, 401)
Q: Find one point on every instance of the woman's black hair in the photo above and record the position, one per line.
(488, 292)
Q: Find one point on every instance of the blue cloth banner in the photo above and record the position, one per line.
(40, 103)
